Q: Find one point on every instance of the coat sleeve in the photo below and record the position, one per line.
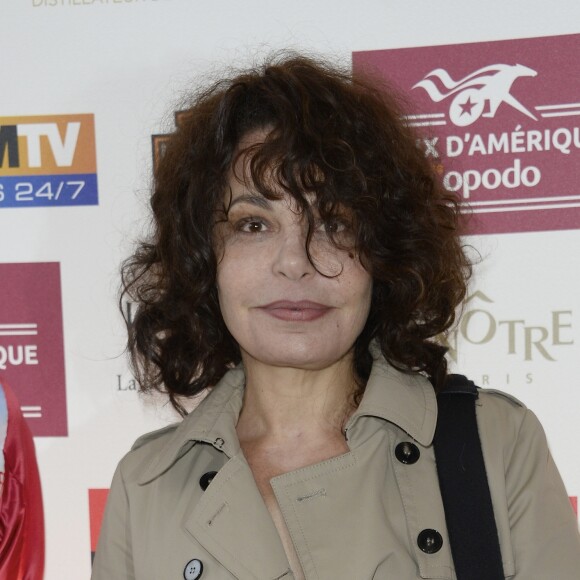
(113, 558)
(543, 526)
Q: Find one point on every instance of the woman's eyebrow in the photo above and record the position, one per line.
(258, 200)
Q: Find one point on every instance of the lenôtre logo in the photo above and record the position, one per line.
(517, 336)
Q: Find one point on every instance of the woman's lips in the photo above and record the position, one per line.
(301, 311)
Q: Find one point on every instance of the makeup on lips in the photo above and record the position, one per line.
(301, 311)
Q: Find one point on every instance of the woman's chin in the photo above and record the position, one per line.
(300, 356)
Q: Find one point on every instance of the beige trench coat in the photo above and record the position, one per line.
(355, 517)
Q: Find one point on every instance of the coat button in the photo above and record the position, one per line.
(206, 479)
(193, 570)
(430, 541)
(407, 453)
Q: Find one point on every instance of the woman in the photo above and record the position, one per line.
(303, 260)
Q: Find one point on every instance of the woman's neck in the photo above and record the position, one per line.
(283, 404)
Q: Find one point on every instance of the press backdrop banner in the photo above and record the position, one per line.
(31, 343)
(500, 121)
(92, 89)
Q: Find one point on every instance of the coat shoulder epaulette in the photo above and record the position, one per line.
(502, 394)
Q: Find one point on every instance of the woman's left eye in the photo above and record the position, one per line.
(333, 226)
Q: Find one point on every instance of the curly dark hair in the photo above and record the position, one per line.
(339, 136)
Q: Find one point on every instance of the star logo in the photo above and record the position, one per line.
(467, 107)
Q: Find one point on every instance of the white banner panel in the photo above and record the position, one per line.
(88, 83)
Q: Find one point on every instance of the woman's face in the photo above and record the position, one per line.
(278, 306)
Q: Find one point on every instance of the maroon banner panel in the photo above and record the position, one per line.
(501, 123)
(31, 344)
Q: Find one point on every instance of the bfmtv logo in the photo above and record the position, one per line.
(490, 85)
(48, 161)
(62, 148)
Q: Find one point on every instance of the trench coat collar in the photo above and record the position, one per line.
(407, 400)
(213, 421)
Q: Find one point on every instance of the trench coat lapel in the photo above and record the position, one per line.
(233, 524)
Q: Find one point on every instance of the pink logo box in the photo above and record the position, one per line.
(31, 344)
(500, 121)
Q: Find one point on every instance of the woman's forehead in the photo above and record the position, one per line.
(258, 175)
(244, 152)
(253, 137)
(246, 195)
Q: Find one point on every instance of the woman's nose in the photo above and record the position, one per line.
(291, 257)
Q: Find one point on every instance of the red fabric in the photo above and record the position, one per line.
(21, 514)
(97, 502)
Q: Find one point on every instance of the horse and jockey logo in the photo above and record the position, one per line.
(488, 85)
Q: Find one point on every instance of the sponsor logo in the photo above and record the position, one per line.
(484, 334)
(31, 344)
(501, 123)
(489, 85)
(160, 142)
(97, 502)
(70, 3)
(48, 161)
(126, 382)
(517, 337)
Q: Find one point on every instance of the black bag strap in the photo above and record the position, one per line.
(463, 483)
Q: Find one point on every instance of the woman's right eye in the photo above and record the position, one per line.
(251, 226)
